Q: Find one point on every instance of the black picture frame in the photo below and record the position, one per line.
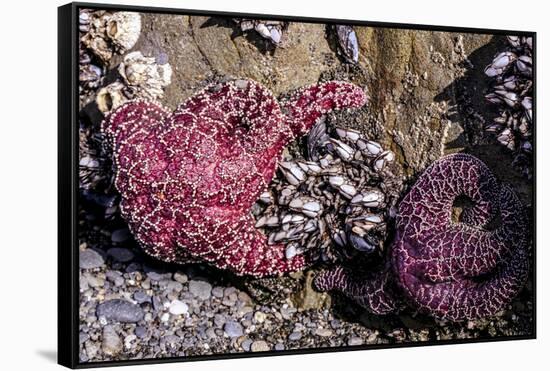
(68, 101)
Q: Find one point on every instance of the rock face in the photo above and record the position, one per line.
(413, 77)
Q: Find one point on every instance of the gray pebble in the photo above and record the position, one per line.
(90, 259)
(217, 292)
(295, 336)
(82, 337)
(141, 297)
(219, 320)
(133, 267)
(335, 324)
(200, 289)
(246, 344)
(120, 254)
(233, 329)
(162, 58)
(115, 277)
(180, 277)
(155, 276)
(140, 332)
(355, 340)
(279, 346)
(120, 310)
(120, 235)
(111, 343)
(157, 303)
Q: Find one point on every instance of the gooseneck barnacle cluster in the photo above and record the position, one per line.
(452, 271)
(188, 178)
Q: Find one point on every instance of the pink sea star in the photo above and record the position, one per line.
(453, 271)
(189, 178)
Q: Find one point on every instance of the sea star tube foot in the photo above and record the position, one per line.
(189, 178)
(452, 271)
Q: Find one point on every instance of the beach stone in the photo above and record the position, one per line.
(178, 307)
(355, 340)
(246, 344)
(115, 277)
(279, 346)
(295, 336)
(141, 297)
(200, 289)
(180, 277)
(323, 332)
(140, 332)
(120, 254)
(259, 346)
(120, 310)
(233, 329)
(259, 317)
(111, 343)
(120, 235)
(217, 292)
(90, 259)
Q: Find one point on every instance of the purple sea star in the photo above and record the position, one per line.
(452, 271)
(189, 178)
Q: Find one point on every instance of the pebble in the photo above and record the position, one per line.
(180, 277)
(119, 310)
(155, 276)
(120, 235)
(259, 346)
(178, 307)
(129, 341)
(259, 317)
(324, 332)
(246, 344)
(355, 340)
(217, 292)
(141, 297)
(200, 289)
(295, 336)
(120, 254)
(90, 259)
(279, 346)
(82, 337)
(115, 277)
(233, 329)
(111, 343)
(140, 332)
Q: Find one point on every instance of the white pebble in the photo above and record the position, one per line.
(177, 307)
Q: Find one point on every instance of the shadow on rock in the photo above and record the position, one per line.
(264, 46)
(466, 95)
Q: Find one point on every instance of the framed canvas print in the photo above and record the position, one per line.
(240, 184)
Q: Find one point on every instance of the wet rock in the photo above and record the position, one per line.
(111, 343)
(119, 310)
(323, 332)
(355, 340)
(180, 277)
(141, 297)
(233, 329)
(259, 346)
(120, 235)
(90, 259)
(178, 307)
(120, 254)
(295, 336)
(200, 289)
